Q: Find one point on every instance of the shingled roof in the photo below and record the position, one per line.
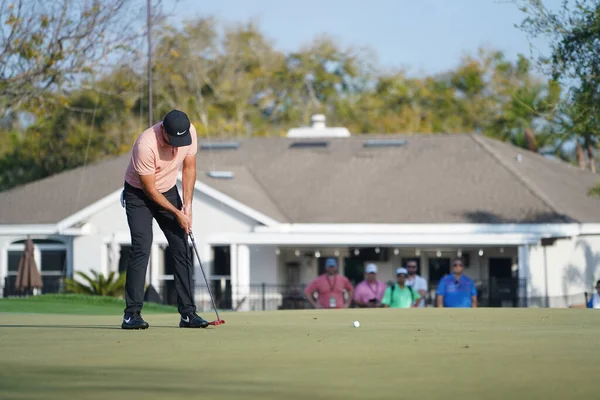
(441, 178)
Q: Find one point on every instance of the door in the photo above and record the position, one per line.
(354, 270)
(221, 277)
(438, 268)
(502, 288)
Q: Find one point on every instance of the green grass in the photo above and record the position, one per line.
(313, 354)
(74, 304)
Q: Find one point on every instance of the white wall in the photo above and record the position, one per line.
(573, 267)
(209, 217)
(89, 251)
(263, 265)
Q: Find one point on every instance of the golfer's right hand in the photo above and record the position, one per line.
(184, 221)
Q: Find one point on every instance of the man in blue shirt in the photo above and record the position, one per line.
(456, 289)
(595, 300)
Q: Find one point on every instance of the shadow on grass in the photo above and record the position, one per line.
(61, 326)
(54, 382)
(24, 326)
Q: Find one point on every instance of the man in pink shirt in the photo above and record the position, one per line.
(150, 192)
(369, 292)
(330, 288)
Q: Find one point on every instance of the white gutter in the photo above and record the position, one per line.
(362, 239)
(39, 229)
(544, 230)
(590, 229)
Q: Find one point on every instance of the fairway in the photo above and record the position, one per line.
(316, 354)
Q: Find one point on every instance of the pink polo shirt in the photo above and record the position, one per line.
(328, 287)
(365, 291)
(152, 155)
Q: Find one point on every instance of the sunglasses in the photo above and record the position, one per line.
(457, 265)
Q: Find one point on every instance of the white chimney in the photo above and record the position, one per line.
(318, 129)
(317, 121)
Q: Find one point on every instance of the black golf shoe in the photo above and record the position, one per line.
(192, 320)
(134, 321)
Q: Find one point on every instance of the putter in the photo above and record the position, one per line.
(219, 321)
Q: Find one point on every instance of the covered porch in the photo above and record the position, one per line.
(494, 269)
(268, 269)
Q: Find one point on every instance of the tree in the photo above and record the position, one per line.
(574, 33)
(51, 45)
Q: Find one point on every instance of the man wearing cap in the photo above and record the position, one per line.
(150, 192)
(330, 287)
(457, 290)
(370, 291)
(400, 295)
(595, 300)
(416, 282)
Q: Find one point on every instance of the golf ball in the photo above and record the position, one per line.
(356, 324)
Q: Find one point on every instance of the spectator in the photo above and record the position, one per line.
(457, 290)
(330, 287)
(595, 300)
(370, 291)
(400, 295)
(417, 282)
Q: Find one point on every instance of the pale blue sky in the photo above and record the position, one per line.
(425, 36)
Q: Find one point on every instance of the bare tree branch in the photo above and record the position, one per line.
(52, 45)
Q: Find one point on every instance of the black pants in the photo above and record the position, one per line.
(140, 212)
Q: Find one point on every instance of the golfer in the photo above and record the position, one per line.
(150, 192)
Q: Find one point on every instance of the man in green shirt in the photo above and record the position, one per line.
(401, 295)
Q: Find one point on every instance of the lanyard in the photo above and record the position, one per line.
(332, 287)
(376, 291)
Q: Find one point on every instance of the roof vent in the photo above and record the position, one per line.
(220, 145)
(318, 128)
(385, 143)
(220, 174)
(303, 144)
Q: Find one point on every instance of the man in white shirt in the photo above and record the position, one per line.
(417, 282)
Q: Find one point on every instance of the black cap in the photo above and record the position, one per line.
(177, 126)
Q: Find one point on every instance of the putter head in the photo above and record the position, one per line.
(217, 322)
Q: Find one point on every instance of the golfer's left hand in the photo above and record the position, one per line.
(187, 210)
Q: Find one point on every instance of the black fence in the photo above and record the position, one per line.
(52, 284)
(267, 297)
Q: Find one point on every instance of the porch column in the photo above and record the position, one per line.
(206, 256)
(524, 264)
(70, 253)
(3, 266)
(233, 257)
(243, 276)
(155, 267)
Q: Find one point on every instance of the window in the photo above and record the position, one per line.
(50, 257)
(54, 261)
(13, 261)
(438, 268)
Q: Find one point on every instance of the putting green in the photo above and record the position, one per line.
(316, 354)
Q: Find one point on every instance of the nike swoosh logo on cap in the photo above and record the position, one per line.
(181, 133)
